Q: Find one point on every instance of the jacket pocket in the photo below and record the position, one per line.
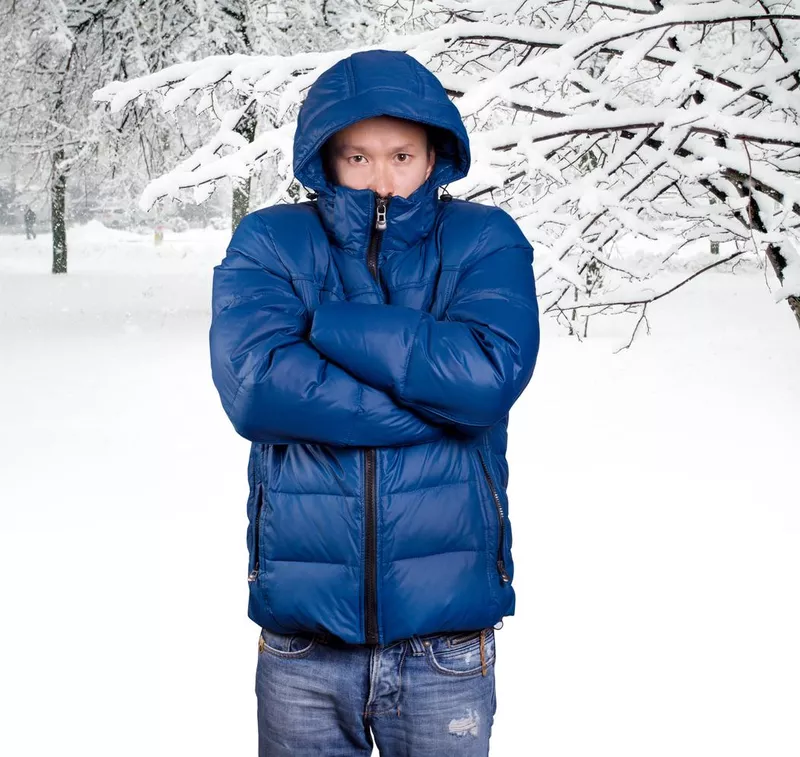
(498, 506)
(255, 554)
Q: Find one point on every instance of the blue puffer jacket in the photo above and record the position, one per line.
(374, 370)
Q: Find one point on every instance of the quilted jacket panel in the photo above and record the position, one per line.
(377, 407)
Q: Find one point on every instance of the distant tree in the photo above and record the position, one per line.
(53, 56)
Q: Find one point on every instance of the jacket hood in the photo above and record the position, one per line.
(378, 83)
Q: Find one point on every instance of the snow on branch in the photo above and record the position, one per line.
(608, 129)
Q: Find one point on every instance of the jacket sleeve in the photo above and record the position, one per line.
(470, 367)
(274, 386)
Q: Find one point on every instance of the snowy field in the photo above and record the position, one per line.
(653, 499)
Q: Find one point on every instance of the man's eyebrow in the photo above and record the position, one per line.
(357, 148)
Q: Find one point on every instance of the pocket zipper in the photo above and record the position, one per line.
(256, 528)
(501, 565)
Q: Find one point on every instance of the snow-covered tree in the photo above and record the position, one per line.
(54, 55)
(605, 128)
(248, 27)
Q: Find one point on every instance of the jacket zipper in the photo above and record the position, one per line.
(501, 564)
(259, 503)
(370, 573)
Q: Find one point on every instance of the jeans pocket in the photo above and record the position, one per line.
(292, 645)
(461, 654)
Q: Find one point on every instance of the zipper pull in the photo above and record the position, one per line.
(380, 218)
(501, 567)
(252, 576)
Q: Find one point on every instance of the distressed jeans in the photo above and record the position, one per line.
(428, 696)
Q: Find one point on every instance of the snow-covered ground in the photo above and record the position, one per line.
(653, 499)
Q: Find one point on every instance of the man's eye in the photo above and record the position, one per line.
(402, 157)
(357, 158)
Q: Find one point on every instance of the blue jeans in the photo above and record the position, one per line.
(429, 696)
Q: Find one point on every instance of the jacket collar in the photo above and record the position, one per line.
(348, 216)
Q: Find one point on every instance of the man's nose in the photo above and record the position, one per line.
(382, 181)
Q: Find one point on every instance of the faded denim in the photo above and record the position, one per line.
(420, 697)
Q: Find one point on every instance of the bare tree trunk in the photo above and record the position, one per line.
(58, 177)
(778, 262)
(57, 205)
(240, 205)
(773, 252)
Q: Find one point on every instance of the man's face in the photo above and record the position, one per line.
(388, 155)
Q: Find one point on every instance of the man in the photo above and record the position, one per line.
(30, 219)
(370, 344)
